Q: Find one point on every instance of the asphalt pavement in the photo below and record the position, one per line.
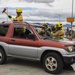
(26, 67)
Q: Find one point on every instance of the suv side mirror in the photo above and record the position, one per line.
(31, 36)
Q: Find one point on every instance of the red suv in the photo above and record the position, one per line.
(23, 40)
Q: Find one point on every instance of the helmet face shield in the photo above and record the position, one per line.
(59, 24)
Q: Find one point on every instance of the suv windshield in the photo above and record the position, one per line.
(42, 32)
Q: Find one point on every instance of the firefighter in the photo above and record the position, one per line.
(54, 28)
(47, 30)
(18, 18)
(24, 32)
(42, 32)
(60, 32)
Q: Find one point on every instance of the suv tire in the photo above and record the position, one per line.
(3, 56)
(52, 63)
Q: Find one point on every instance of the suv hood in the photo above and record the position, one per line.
(67, 41)
(56, 43)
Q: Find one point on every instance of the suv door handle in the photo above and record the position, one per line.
(12, 40)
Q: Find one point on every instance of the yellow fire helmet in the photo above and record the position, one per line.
(59, 24)
(19, 10)
(44, 24)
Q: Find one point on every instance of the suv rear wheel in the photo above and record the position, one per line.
(3, 56)
(52, 63)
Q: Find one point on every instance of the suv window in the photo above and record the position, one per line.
(22, 32)
(3, 30)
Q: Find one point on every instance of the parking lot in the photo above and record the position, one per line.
(26, 67)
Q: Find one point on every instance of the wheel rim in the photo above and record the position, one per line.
(0, 56)
(51, 63)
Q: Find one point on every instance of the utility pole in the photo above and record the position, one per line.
(71, 19)
(72, 15)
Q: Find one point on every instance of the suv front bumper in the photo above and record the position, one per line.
(69, 59)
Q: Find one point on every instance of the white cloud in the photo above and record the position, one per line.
(39, 1)
(39, 9)
(22, 3)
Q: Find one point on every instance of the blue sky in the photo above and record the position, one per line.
(38, 10)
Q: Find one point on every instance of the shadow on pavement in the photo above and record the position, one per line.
(23, 62)
(70, 68)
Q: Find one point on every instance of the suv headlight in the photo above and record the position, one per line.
(70, 48)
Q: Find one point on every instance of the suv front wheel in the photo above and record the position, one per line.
(52, 63)
(3, 56)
